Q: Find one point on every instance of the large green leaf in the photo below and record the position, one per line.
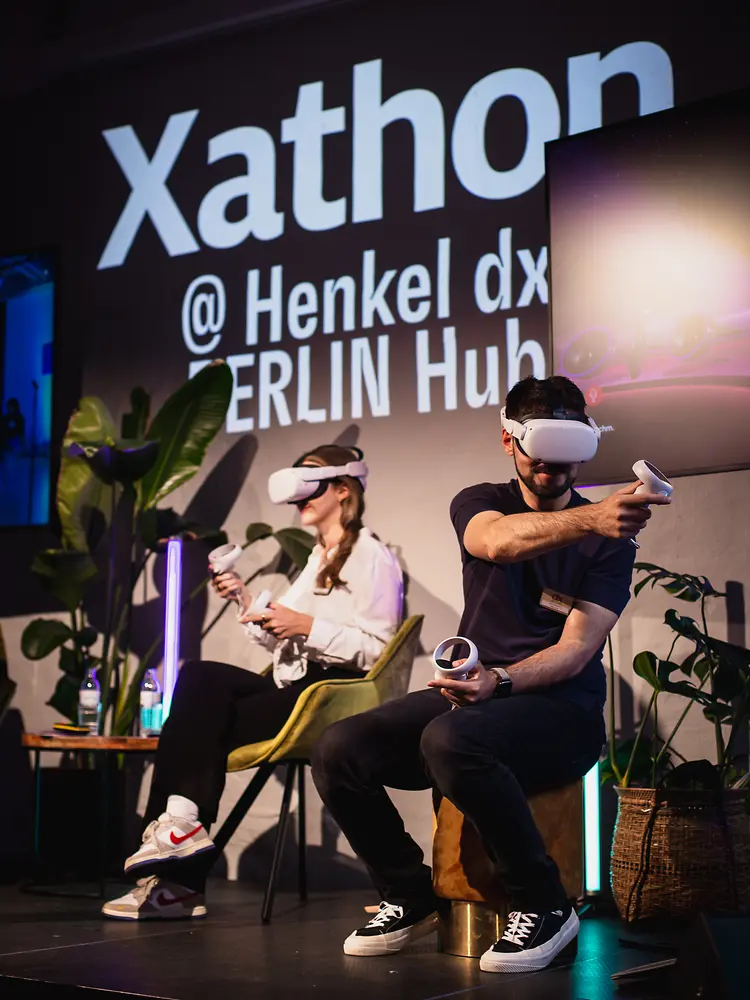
(296, 543)
(684, 586)
(86, 637)
(695, 775)
(184, 427)
(728, 683)
(644, 664)
(684, 626)
(42, 636)
(81, 497)
(688, 690)
(65, 697)
(65, 573)
(664, 671)
(257, 530)
(122, 462)
(702, 668)
(689, 662)
(75, 665)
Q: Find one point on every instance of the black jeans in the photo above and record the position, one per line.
(216, 708)
(484, 758)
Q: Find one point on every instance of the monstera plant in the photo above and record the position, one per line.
(681, 842)
(710, 674)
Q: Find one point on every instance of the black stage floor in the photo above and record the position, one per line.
(230, 954)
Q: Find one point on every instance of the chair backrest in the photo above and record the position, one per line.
(391, 673)
(329, 701)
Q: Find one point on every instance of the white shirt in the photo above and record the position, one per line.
(351, 624)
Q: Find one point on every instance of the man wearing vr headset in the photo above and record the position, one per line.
(546, 575)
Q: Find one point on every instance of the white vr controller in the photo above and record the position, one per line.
(444, 668)
(653, 481)
(223, 559)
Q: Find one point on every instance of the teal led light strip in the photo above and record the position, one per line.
(591, 845)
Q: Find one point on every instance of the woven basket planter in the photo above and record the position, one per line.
(677, 852)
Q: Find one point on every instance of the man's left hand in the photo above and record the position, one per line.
(479, 686)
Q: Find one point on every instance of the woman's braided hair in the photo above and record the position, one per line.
(352, 509)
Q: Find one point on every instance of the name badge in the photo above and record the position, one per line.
(553, 600)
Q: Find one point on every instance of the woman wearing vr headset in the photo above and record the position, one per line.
(333, 622)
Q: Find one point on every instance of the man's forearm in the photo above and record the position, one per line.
(550, 666)
(517, 537)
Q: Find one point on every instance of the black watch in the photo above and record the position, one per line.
(504, 686)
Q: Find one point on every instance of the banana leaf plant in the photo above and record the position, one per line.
(107, 490)
(709, 673)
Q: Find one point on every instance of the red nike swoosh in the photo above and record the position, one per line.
(179, 840)
(162, 900)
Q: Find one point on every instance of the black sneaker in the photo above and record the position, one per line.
(391, 929)
(531, 941)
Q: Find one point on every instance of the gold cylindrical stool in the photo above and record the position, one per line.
(469, 929)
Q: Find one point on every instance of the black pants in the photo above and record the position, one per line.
(216, 707)
(485, 758)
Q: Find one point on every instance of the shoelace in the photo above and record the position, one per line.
(144, 886)
(519, 927)
(387, 911)
(149, 834)
(150, 831)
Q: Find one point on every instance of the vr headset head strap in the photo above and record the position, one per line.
(518, 428)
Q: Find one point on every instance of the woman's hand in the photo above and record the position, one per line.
(230, 586)
(280, 621)
(479, 686)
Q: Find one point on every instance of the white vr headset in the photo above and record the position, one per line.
(306, 482)
(564, 440)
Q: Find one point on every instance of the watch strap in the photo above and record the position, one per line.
(504, 682)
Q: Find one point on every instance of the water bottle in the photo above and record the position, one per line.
(89, 702)
(151, 704)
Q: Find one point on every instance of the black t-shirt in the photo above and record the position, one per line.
(503, 615)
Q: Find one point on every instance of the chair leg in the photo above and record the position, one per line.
(242, 806)
(302, 835)
(279, 845)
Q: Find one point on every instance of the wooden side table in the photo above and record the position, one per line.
(102, 747)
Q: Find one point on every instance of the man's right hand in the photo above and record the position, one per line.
(623, 514)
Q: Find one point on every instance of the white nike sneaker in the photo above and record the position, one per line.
(154, 899)
(168, 838)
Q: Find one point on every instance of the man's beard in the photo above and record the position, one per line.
(547, 492)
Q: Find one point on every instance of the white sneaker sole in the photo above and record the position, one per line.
(197, 911)
(136, 860)
(388, 944)
(535, 959)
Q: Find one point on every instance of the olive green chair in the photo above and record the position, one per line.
(319, 705)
